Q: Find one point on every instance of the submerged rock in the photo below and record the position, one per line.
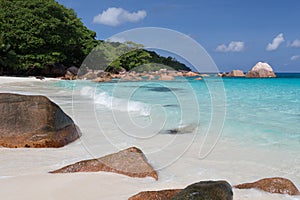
(261, 70)
(130, 162)
(34, 121)
(182, 129)
(204, 190)
(272, 185)
(155, 195)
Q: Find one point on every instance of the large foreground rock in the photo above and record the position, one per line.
(130, 162)
(34, 121)
(261, 70)
(155, 195)
(204, 190)
(272, 185)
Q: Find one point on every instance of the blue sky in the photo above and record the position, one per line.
(236, 34)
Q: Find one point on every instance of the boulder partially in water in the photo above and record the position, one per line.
(34, 121)
(204, 190)
(164, 77)
(130, 162)
(272, 185)
(236, 73)
(261, 70)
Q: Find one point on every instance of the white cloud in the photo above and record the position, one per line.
(234, 46)
(275, 43)
(116, 16)
(295, 43)
(295, 57)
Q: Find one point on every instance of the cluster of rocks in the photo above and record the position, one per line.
(202, 190)
(218, 190)
(260, 70)
(162, 74)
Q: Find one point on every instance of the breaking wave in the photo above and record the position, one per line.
(114, 103)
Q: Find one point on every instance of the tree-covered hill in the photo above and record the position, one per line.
(36, 35)
(115, 56)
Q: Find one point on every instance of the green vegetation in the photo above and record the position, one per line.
(36, 34)
(40, 33)
(115, 56)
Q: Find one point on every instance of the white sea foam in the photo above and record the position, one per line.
(124, 105)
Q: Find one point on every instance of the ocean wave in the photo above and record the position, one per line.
(114, 103)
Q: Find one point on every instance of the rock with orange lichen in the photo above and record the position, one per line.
(130, 162)
(272, 185)
(155, 195)
(34, 122)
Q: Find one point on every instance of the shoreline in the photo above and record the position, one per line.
(28, 168)
(14, 79)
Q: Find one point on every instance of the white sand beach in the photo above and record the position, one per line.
(24, 172)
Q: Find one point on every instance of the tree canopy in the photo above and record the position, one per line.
(37, 33)
(115, 56)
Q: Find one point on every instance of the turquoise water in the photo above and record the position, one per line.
(261, 112)
(264, 111)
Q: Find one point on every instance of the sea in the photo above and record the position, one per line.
(234, 129)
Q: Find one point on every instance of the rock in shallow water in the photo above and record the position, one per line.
(236, 73)
(130, 162)
(191, 128)
(272, 185)
(206, 190)
(34, 121)
(261, 70)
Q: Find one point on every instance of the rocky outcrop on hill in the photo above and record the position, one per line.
(34, 121)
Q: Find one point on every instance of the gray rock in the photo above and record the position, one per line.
(206, 190)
